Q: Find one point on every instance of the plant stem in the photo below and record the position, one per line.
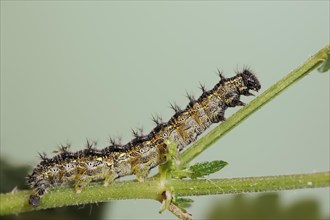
(250, 184)
(16, 202)
(254, 105)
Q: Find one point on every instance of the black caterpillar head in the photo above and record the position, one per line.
(250, 80)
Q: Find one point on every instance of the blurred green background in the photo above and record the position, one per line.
(85, 69)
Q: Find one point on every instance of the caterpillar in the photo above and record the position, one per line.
(143, 152)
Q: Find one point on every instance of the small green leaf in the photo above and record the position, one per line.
(325, 66)
(183, 202)
(199, 169)
(206, 168)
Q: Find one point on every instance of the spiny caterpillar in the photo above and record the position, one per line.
(144, 151)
